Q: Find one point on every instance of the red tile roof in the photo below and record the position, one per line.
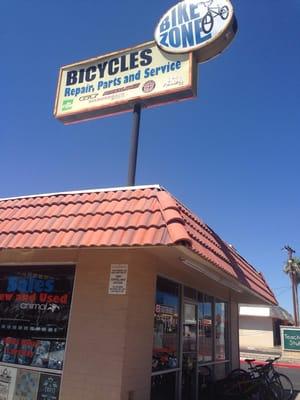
(140, 216)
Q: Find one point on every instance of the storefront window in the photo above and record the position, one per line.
(166, 326)
(190, 293)
(34, 314)
(189, 348)
(163, 387)
(189, 328)
(205, 328)
(204, 340)
(221, 326)
(221, 371)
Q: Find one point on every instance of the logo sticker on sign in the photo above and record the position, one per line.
(193, 25)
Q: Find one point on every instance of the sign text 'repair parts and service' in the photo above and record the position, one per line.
(112, 83)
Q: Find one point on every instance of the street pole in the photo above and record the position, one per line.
(297, 299)
(294, 288)
(293, 278)
(134, 144)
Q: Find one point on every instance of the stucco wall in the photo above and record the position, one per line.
(109, 343)
(139, 339)
(139, 330)
(256, 331)
(96, 337)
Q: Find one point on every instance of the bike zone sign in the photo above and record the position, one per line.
(203, 27)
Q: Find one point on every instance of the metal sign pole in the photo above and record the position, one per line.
(134, 144)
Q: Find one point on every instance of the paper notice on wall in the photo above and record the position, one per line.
(7, 382)
(49, 387)
(26, 385)
(118, 279)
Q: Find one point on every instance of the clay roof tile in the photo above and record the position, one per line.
(138, 216)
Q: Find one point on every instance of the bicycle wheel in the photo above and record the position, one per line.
(224, 12)
(276, 389)
(286, 385)
(239, 374)
(207, 22)
(270, 391)
(240, 391)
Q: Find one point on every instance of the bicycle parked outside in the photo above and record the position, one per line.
(279, 382)
(248, 389)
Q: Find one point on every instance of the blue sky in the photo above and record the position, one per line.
(231, 155)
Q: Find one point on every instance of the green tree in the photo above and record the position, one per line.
(293, 266)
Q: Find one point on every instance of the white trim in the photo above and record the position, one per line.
(252, 292)
(165, 371)
(36, 264)
(190, 254)
(252, 311)
(212, 275)
(113, 189)
(38, 369)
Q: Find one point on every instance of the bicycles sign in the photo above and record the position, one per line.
(196, 24)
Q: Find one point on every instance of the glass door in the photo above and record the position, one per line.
(165, 356)
(189, 351)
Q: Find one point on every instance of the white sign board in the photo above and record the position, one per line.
(113, 83)
(118, 279)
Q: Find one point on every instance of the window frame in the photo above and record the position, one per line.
(183, 289)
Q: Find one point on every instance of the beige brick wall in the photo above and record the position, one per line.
(109, 347)
(139, 330)
(96, 336)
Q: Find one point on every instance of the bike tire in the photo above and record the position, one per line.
(270, 391)
(239, 393)
(239, 374)
(207, 23)
(224, 12)
(286, 385)
(276, 390)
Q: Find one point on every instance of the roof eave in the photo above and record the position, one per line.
(197, 262)
(112, 189)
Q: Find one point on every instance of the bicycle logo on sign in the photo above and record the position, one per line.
(212, 12)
